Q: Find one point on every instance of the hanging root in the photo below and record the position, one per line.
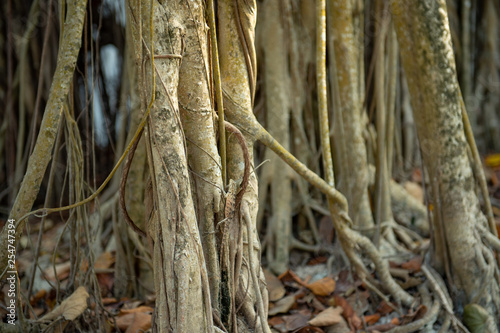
(246, 156)
(261, 309)
(123, 183)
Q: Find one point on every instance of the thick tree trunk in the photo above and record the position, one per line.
(276, 174)
(427, 55)
(238, 67)
(182, 295)
(198, 123)
(349, 141)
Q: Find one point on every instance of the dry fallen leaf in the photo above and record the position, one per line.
(142, 308)
(291, 276)
(274, 321)
(372, 319)
(349, 314)
(296, 321)
(383, 308)
(328, 317)
(283, 305)
(133, 322)
(109, 300)
(71, 307)
(413, 265)
(141, 323)
(62, 271)
(323, 287)
(106, 282)
(274, 286)
(105, 260)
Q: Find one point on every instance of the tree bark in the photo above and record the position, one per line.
(427, 55)
(42, 153)
(277, 173)
(238, 67)
(182, 295)
(349, 141)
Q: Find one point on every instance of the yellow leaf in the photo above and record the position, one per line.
(492, 160)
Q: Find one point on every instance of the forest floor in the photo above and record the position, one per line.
(319, 293)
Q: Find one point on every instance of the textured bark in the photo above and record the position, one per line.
(277, 174)
(134, 191)
(197, 120)
(181, 285)
(237, 72)
(42, 153)
(349, 140)
(427, 54)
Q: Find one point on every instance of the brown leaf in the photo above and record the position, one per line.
(62, 271)
(413, 265)
(105, 260)
(317, 260)
(71, 307)
(316, 304)
(328, 317)
(291, 276)
(349, 314)
(323, 287)
(372, 319)
(106, 282)
(109, 300)
(274, 321)
(133, 322)
(359, 301)
(142, 308)
(283, 305)
(274, 286)
(295, 321)
(384, 308)
(141, 322)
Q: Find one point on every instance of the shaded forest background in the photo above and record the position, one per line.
(377, 159)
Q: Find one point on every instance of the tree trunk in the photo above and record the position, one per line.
(427, 55)
(276, 174)
(238, 67)
(182, 295)
(349, 141)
